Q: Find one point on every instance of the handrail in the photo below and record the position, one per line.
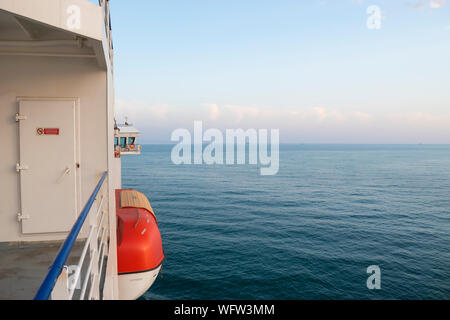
(55, 270)
(77, 275)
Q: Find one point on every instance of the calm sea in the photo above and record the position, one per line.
(309, 232)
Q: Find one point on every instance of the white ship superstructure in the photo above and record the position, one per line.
(59, 168)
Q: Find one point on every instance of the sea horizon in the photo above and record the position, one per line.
(308, 232)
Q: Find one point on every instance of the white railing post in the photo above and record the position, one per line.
(57, 283)
(96, 244)
(95, 248)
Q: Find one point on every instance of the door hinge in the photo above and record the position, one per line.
(20, 168)
(21, 217)
(20, 117)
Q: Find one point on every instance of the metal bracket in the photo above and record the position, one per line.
(21, 217)
(20, 168)
(20, 117)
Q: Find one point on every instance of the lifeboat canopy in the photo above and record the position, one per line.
(139, 246)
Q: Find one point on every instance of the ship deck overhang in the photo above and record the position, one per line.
(42, 29)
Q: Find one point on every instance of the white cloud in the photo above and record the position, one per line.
(213, 110)
(135, 110)
(296, 124)
(435, 4)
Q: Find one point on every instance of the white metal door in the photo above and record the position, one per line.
(48, 182)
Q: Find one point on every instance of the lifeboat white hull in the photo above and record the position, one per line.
(133, 285)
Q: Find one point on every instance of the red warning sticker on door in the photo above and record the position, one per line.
(48, 131)
(53, 131)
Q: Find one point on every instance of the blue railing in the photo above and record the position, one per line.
(47, 286)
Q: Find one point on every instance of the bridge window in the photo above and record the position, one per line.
(123, 142)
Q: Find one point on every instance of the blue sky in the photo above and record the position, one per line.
(309, 68)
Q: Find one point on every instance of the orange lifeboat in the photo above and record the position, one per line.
(139, 246)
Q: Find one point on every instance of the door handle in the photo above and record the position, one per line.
(66, 173)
